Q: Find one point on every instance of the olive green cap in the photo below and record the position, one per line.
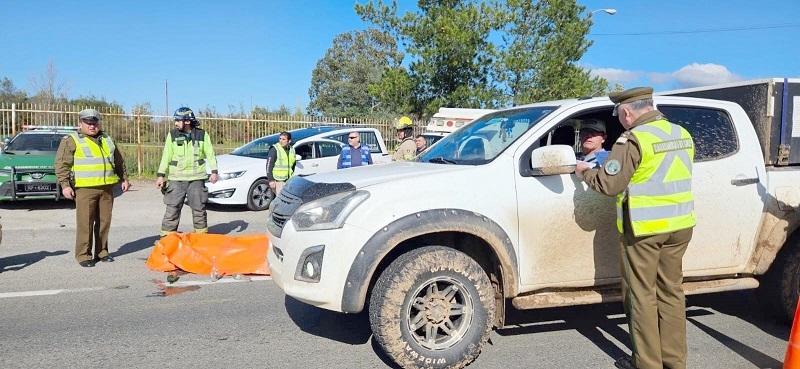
(633, 94)
(89, 114)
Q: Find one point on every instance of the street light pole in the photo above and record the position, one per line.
(608, 11)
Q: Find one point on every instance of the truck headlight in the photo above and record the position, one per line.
(328, 212)
(230, 175)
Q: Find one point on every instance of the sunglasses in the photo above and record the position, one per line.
(90, 123)
(352, 137)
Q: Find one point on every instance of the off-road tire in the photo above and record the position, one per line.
(780, 287)
(430, 284)
(259, 195)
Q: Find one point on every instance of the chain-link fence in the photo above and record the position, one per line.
(140, 137)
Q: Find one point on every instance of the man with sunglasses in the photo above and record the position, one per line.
(592, 134)
(649, 170)
(354, 154)
(88, 166)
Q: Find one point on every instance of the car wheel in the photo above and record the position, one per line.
(779, 288)
(259, 196)
(433, 307)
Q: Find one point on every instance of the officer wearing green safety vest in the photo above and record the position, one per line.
(280, 163)
(649, 170)
(88, 166)
(182, 172)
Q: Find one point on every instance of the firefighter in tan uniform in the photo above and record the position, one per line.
(407, 149)
(91, 158)
(649, 170)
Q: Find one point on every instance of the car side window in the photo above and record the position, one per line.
(305, 151)
(328, 149)
(369, 138)
(712, 130)
(342, 137)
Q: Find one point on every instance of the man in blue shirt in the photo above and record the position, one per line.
(354, 154)
(592, 135)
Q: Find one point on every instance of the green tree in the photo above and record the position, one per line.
(99, 103)
(9, 94)
(484, 54)
(451, 57)
(393, 95)
(542, 42)
(340, 81)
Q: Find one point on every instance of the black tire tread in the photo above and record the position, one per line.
(396, 281)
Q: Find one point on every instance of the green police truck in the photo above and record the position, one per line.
(27, 164)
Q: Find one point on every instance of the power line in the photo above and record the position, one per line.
(705, 30)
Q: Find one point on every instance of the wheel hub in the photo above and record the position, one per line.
(436, 310)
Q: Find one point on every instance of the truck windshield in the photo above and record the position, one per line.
(485, 138)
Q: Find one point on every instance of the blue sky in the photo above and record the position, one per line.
(248, 53)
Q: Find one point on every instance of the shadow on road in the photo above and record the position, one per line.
(135, 246)
(38, 204)
(225, 228)
(352, 329)
(592, 320)
(18, 262)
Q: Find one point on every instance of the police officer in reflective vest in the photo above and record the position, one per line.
(87, 166)
(182, 172)
(280, 162)
(649, 170)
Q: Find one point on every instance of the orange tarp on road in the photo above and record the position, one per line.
(194, 253)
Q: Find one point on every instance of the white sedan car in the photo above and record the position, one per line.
(243, 173)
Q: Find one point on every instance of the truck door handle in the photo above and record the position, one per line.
(744, 181)
(314, 165)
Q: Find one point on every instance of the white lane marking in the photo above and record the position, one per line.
(4, 295)
(254, 278)
(47, 292)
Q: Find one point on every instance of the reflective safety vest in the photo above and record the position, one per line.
(659, 195)
(188, 162)
(93, 163)
(283, 163)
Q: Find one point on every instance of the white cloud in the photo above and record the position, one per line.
(695, 74)
(613, 75)
(692, 75)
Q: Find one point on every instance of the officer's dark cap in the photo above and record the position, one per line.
(633, 94)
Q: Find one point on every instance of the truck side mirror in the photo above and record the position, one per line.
(297, 157)
(554, 159)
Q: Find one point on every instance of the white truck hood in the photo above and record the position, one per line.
(382, 173)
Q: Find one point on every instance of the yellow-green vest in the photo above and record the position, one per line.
(283, 163)
(188, 162)
(93, 163)
(660, 198)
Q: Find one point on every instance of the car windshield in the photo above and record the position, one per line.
(485, 138)
(257, 148)
(28, 142)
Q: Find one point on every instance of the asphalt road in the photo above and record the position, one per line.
(54, 313)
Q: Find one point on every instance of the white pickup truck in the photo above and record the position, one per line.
(435, 268)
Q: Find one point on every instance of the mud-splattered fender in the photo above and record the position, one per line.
(421, 223)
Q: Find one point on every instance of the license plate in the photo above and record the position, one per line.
(40, 187)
